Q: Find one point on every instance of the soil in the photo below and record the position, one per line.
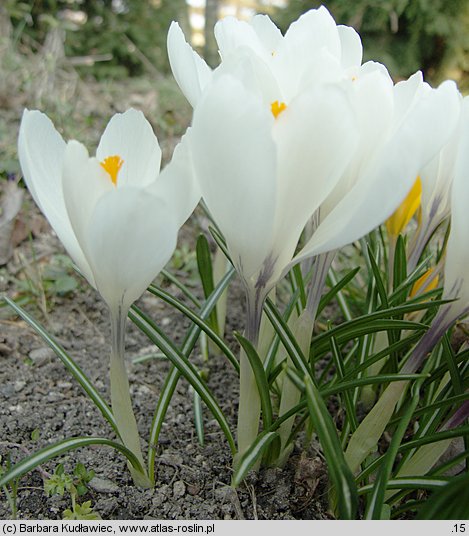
(41, 403)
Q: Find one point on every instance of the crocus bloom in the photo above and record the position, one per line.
(117, 217)
(115, 214)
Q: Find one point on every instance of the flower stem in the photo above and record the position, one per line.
(249, 409)
(120, 395)
(302, 329)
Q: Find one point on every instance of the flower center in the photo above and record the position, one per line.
(277, 108)
(112, 164)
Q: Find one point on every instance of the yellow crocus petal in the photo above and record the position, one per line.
(112, 164)
(277, 108)
(396, 223)
(421, 282)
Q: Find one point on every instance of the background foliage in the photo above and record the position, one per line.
(131, 33)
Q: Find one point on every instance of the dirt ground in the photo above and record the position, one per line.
(41, 404)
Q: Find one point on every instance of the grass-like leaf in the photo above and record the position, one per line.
(337, 286)
(204, 264)
(183, 288)
(450, 502)
(69, 364)
(409, 482)
(185, 367)
(288, 340)
(253, 453)
(173, 376)
(375, 505)
(198, 319)
(47, 453)
(345, 489)
(261, 379)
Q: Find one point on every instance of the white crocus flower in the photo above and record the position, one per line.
(114, 213)
(116, 216)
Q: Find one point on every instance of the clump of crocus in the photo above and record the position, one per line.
(292, 129)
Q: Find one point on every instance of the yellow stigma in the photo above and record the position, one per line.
(277, 108)
(396, 223)
(421, 282)
(112, 164)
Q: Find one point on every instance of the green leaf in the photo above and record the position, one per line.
(198, 418)
(400, 265)
(174, 375)
(44, 455)
(376, 504)
(368, 380)
(183, 288)
(287, 338)
(432, 438)
(409, 482)
(261, 379)
(342, 479)
(349, 405)
(81, 512)
(69, 363)
(337, 287)
(450, 502)
(250, 457)
(380, 286)
(204, 264)
(185, 367)
(65, 284)
(378, 321)
(198, 319)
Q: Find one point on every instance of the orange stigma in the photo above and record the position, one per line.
(277, 108)
(112, 164)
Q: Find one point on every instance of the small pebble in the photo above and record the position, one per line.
(41, 355)
(102, 485)
(179, 489)
(19, 385)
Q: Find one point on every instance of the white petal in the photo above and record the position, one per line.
(437, 177)
(235, 161)
(177, 184)
(255, 74)
(269, 35)
(457, 253)
(131, 236)
(41, 152)
(316, 137)
(190, 71)
(232, 34)
(371, 96)
(406, 94)
(351, 47)
(130, 136)
(391, 174)
(84, 181)
(314, 30)
(311, 40)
